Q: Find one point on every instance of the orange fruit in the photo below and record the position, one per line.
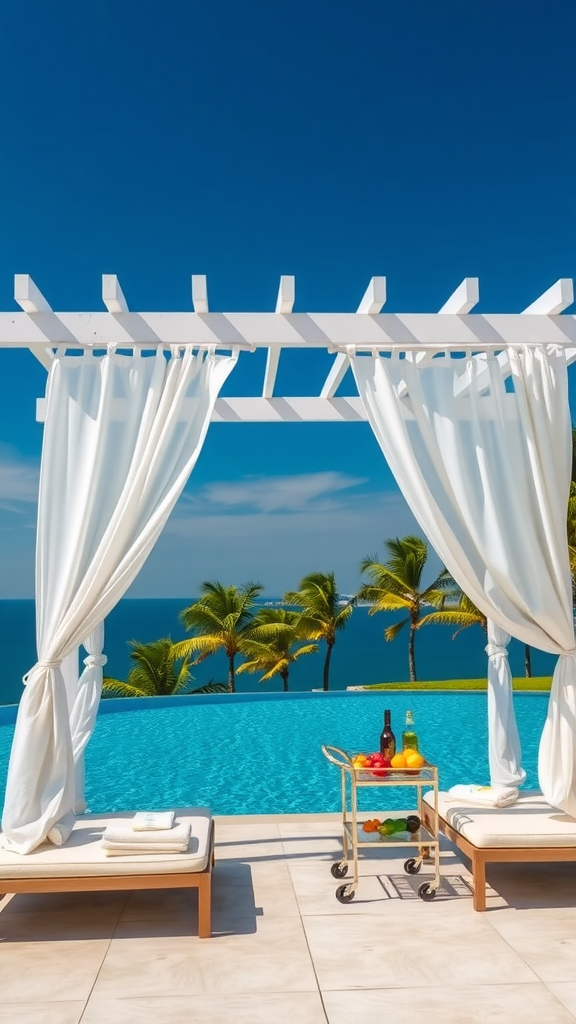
(414, 760)
(398, 761)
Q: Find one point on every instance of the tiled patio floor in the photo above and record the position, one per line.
(284, 950)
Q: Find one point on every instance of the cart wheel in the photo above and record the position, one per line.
(340, 869)
(345, 893)
(412, 866)
(426, 892)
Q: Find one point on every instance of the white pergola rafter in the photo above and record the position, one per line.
(420, 335)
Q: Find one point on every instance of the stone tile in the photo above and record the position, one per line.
(535, 886)
(248, 842)
(545, 939)
(68, 1012)
(238, 890)
(420, 946)
(86, 903)
(49, 971)
(315, 890)
(68, 926)
(491, 1004)
(273, 958)
(565, 991)
(281, 1008)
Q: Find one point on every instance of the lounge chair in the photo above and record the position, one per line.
(528, 831)
(81, 865)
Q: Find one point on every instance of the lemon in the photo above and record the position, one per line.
(414, 760)
(398, 761)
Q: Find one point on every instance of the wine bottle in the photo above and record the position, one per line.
(387, 738)
(409, 737)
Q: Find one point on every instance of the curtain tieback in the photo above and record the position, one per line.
(570, 654)
(40, 664)
(96, 661)
(493, 649)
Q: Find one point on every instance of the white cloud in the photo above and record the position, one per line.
(278, 550)
(273, 493)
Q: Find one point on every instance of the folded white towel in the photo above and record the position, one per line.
(147, 821)
(122, 832)
(486, 796)
(119, 850)
(62, 830)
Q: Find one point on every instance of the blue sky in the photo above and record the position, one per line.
(330, 140)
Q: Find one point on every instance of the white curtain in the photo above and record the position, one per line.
(487, 477)
(504, 751)
(122, 435)
(85, 708)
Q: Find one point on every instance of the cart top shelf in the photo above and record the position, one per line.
(427, 774)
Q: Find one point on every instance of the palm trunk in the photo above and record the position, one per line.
(527, 662)
(326, 678)
(231, 687)
(411, 659)
(284, 674)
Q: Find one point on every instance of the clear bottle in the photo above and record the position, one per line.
(409, 737)
(387, 739)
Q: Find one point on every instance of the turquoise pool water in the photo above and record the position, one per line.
(260, 754)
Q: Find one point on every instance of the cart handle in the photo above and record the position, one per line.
(338, 757)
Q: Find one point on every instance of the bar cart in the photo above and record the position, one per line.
(425, 840)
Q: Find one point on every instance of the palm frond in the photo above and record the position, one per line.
(391, 632)
(115, 687)
(211, 688)
(449, 617)
(388, 603)
(205, 644)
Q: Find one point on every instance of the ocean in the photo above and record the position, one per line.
(360, 656)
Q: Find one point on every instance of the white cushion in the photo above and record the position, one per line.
(83, 855)
(530, 822)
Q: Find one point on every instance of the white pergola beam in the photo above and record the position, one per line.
(28, 295)
(556, 298)
(372, 301)
(261, 410)
(335, 376)
(460, 302)
(30, 299)
(112, 294)
(272, 360)
(286, 294)
(466, 296)
(374, 297)
(559, 296)
(284, 305)
(199, 293)
(404, 332)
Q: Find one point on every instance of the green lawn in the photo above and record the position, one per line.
(521, 683)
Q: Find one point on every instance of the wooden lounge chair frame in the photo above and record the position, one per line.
(480, 856)
(201, 880)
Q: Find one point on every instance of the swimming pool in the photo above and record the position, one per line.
(260, 753)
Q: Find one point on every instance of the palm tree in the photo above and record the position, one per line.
(466, 614)
(397, 584)
(270, 648)
(219, 619)
(156, 673)
(463, 615)
(321, 616)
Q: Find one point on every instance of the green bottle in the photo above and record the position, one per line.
(409, 737)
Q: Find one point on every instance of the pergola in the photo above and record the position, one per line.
(483, 461)
(424, 335)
